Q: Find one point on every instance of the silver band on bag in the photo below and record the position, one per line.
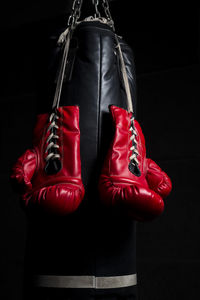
(105, 282)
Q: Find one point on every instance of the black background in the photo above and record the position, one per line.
(165, 41)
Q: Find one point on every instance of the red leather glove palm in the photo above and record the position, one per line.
(128, 179)
(49, 175)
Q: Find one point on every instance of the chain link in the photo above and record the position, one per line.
(96, 4)
(76, 11)
(106, 7)
(75, 14)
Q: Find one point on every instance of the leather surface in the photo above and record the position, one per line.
(91, 241)
(59, 193)
(118, 186)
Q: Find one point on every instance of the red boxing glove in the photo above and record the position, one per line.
(50, 174)
(128, 179)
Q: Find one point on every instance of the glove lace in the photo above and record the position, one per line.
(52, 147)
(133, 157)
(133, 165)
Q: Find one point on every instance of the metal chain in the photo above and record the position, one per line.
(75, 14)
(96, 4)
(106, 8)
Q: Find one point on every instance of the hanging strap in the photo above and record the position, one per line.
(125, 77)
(59, 84)
(66, 35)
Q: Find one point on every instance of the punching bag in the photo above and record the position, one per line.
(91, 253)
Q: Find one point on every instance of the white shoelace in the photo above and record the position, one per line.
(53, 127)
(50, 140)
(133, 157)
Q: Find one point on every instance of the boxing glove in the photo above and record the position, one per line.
(49, 175)
(128, 179)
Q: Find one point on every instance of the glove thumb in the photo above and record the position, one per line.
(22, 172)
(158, 180)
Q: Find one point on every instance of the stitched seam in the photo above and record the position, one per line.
(98, 126)
(99, 95)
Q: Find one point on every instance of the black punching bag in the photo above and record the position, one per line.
(90, 254)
